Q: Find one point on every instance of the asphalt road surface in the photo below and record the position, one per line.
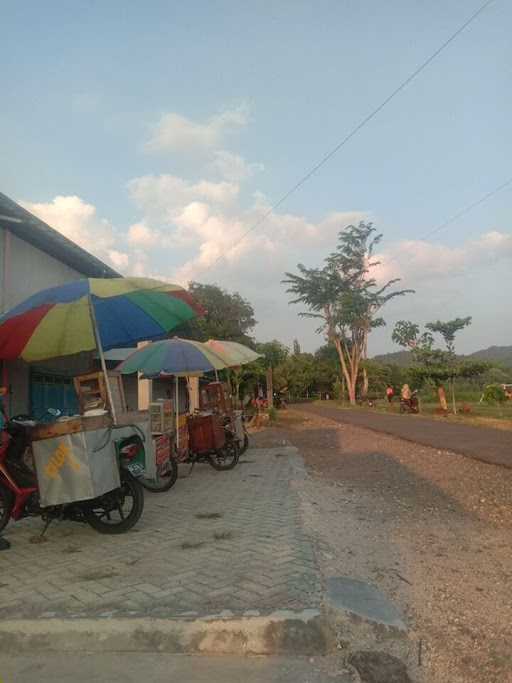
(482, 443)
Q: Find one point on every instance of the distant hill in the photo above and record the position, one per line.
(494, 354)
(401, 358)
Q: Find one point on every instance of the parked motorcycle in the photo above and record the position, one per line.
(114, 512)
(410, 405)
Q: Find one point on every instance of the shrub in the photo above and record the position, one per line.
(494, 393)
(272, 414)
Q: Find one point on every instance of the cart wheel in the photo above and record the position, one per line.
(166, 477)
(119, 510)
(225, 458)
(245, 444)
(6, 503)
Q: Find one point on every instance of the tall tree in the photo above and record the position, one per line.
(228, 315)
(345, 297)
(296, 347)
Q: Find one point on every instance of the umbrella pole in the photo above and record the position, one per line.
(176, 383)
(102, 361)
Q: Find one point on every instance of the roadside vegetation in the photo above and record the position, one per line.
(347, 303)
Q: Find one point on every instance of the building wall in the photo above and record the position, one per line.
(24, 270)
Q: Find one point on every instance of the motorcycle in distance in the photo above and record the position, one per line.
(410, 405)
(114, 512)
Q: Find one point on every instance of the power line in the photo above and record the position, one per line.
(354, 131)
(459, 214)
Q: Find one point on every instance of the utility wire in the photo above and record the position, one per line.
(354, 131)
(459, 214)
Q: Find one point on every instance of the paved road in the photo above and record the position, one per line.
(161, 668)
(217, 541)
(482, 443)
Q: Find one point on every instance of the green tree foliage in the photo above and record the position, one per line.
(494, 393)
(344, 297)
(228, 316)
(273, 352)
(248, 377)
(433, 364)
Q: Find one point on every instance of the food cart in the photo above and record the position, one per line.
(215, 397)
(76, 458)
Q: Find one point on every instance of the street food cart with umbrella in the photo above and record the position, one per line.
(216, 393)
(85, 316)
(205, 436)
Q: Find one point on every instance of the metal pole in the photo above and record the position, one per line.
(102, 360)
(176, 382)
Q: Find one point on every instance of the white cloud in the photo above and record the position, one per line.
(175, 132)
(233, 167)
(78, 221)
(163, 197)
(119, 259)
(415, 260)
(140, 234)
(205, 217)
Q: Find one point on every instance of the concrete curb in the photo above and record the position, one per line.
(284, 632)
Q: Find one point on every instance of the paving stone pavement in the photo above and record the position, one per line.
(217, 541)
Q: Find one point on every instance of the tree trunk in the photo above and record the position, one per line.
(442, 398)
(270, 388)
(352, 393)
(350, 368)
(364, 389)
(454, 405)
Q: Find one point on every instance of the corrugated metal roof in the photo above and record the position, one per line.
(29, 228)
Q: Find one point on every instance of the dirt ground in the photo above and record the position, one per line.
(430, 528)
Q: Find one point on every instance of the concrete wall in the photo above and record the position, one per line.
(24, 270)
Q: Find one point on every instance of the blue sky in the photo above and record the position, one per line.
(156, 133)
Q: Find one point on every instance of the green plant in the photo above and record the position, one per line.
(272, 414)
(494, 393)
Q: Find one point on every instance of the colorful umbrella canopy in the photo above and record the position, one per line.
(179, 357)
(232, 353)
(61, 321)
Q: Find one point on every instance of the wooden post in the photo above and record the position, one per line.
(144, 387)
(193, 388)
(99, 346)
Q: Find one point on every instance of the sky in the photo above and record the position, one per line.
(157, 134)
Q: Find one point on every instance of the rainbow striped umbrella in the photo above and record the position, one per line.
(178, 357)
(93, 313)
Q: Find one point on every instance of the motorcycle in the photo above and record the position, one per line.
(114, 512)
(280, 402)
(410, 405)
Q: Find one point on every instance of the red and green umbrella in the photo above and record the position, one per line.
(93, 313)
